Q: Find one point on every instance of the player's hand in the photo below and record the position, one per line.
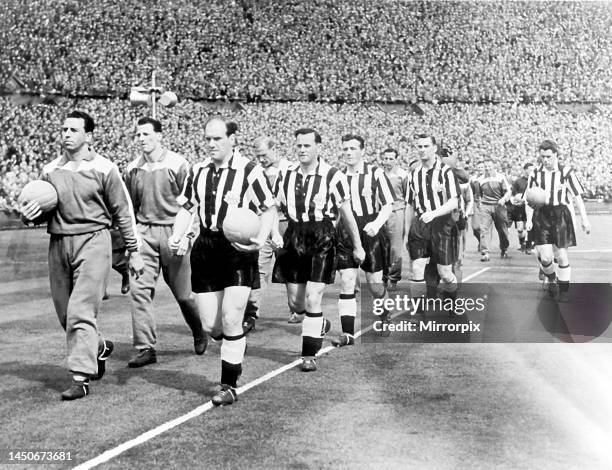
(183, 246)
(255, 245)
(136, 264)
(501, 202)
(371, 229)
(174, 243)
(359, 254)
(31, 211)
(277, 241)
(428, 216)
(528, 225)
(586, 226)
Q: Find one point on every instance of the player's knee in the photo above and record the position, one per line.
(418, 268)
(347, 281)
(313, 301)
(546, 259)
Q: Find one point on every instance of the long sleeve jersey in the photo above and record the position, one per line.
(91, 197)
(154, 187)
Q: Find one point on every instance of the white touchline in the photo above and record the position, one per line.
(162, 428)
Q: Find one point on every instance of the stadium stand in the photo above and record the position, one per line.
(489, 77)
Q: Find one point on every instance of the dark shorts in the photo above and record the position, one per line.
(308, 254)
(552, 225)
(437, 240)
(377, 248)
(516, 213)
(216, 264)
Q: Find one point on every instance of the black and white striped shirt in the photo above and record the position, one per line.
(430, 188)
(239, 183)
(559, 184)
(369, 189)
(313, 197)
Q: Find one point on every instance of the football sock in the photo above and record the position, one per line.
(232, 354)
(564, 274)
(347, 308)
(312, 333)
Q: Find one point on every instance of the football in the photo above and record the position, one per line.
(40, 191)
(536, 197)
(240, 225)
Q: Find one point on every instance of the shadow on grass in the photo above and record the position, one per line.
(177, 380)
(51, 376)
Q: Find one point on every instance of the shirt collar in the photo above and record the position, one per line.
(361, 169)
(91, 154)
(231, 163)
(316, 171)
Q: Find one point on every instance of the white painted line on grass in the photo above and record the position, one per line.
(473, 275)
(112, 453)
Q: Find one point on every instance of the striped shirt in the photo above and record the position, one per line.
(559, 184)
(313, 197)
(238, 183)
(429, 189)
(91, 197)
(154, 187)
(369, 190)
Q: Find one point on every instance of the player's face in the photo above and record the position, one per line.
(388, 160)
(527, 171)
(306, 148)
(549, 159)
(489, 168)
(426, 149)
(74, 136)
(480, 169)
(352, 152)
(218, 144)
(265, 156)
(147, 137)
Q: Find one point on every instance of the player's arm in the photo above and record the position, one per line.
(408, 218)
(575, 188)
(469, 200)
(586, 225)
(508, 192)
(528, 208)
(122, 213)
(348, 219)
(386, 197)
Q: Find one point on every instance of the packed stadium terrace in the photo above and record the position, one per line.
(348, 50)
(508, 134)
(525, 55)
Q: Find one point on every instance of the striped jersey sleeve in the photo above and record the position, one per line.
(259, 194)
(385, 192)
(338, 188)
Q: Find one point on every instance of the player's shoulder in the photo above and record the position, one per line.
(52, 165)
(101, 164)
(175, 160)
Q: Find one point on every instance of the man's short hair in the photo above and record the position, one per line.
(391, 150)
(157, 126)
(358, 138)
(306, 131)
(264, 141)
(230, 126)
(527, 165)
(548, 145)
(426, 136)
(89, 124)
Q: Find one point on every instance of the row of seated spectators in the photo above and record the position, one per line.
(324, 50)
(509, 135)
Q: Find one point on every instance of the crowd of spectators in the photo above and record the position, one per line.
(507, 134)
(322, 50)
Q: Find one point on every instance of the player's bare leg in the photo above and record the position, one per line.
(347, 307)
(314, 325)
(209, 306)
(418, 287)
(378, 291)
(233, 304)
(546, 256)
